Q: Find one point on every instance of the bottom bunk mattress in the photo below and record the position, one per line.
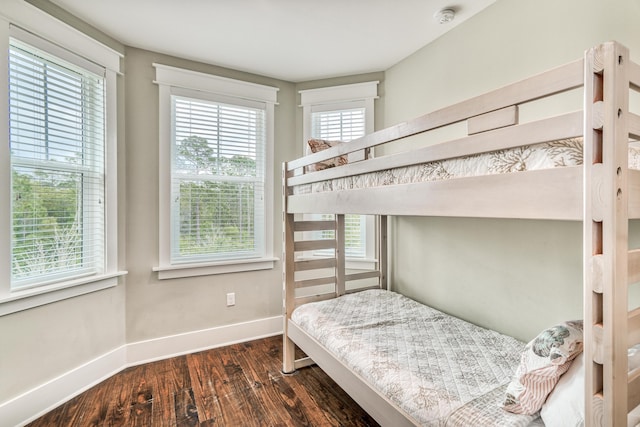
(439, 369)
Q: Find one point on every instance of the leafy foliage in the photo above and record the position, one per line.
(47, 232)
(217, 212)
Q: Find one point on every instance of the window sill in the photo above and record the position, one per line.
(206, 269)
(29, 298)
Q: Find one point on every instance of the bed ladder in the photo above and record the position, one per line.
(608, 264)
(324, 277)
(316, 278)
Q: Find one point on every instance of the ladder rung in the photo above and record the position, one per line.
(315, 264)
(314, 245)
(314, 225)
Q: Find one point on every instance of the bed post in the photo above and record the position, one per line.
(381, 247)
(340, 255)
(606, 87)
(288, 280)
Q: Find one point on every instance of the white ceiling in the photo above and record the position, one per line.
(292, 40)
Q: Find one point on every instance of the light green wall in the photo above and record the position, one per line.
(514, 276)
(42, 343)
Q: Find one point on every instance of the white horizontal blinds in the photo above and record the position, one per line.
(338, 125)
(57, 135)
(218, 163)
(344, 125)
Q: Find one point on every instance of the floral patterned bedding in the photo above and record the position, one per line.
(565, 152)
(441, 370)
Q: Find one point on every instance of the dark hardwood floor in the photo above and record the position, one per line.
(237, 385)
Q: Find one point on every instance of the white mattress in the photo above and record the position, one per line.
(566, 152)
(441, 370)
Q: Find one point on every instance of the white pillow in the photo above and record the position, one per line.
(565, 405)
(633, 418)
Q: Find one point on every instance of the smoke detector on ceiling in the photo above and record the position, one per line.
(445, 15)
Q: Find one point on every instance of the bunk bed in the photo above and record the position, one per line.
(590, 175)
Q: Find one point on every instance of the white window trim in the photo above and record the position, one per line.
(336, 98)
(22, 20)
(171, 79)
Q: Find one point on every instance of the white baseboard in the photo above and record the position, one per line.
(191, 342)
(38, 401)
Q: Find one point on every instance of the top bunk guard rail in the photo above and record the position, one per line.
(560, 127)
(603, 192)
(561, 79)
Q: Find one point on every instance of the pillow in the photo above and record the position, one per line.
(543, 361)
(317, 145)
(565, 405)
(633, 417)
(634, 357)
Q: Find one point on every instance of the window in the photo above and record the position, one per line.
(344, 113)
(217, 181)
(59, 209)
(216, 169)
(344, 125)
(56, 128)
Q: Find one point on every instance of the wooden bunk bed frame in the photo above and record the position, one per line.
(603, 193)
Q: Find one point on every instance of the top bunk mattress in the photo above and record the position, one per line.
(553, 154)
(439, 369)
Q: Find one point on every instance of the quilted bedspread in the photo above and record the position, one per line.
(441, 370)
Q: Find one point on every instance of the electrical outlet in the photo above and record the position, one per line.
(231, 299)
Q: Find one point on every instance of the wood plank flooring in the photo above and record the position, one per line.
(237, 385)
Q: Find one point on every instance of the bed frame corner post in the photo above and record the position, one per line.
(288, 277)
(383, 265)
(605, 234)
(340, 255)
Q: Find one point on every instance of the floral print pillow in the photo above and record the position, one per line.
(544, 360)
(317, 145)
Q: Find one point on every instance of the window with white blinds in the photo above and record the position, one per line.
(343, 125)
(215, 174)
(217, 180)
(57, 152)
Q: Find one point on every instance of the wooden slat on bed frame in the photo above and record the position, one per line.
(555, 193)
(604, 194)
